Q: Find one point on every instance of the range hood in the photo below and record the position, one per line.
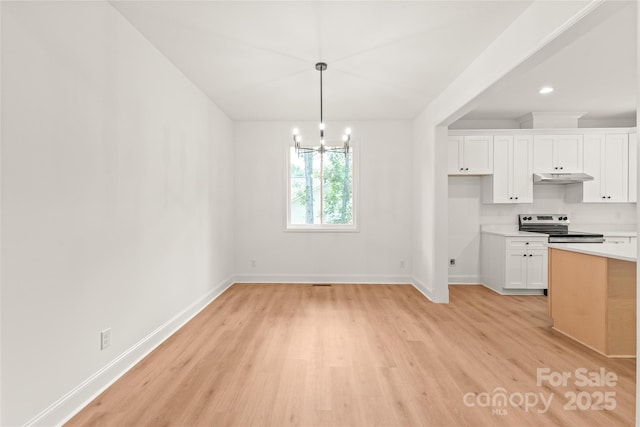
(560, 178)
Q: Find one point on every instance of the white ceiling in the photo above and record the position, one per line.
(256, 60)
(386, 59)
(593, 71)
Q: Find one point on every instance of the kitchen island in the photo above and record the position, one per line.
(592, 295)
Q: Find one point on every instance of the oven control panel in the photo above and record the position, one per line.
(543, 219)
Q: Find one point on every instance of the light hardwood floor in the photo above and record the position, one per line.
(361, 355)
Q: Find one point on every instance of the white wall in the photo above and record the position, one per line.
(467, 214)
(372, 255)
(429, 215)
(117, 208)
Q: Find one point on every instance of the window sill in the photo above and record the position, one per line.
(321, 229)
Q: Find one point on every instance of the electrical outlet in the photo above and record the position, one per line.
(253, 263)
(452, 261)
(105, 338)
(401, 263)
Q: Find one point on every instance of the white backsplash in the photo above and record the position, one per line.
(550, 199)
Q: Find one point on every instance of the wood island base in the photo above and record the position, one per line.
(592, 299)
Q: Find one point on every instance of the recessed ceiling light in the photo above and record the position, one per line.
(546, 89)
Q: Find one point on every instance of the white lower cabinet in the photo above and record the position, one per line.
(514, 264)
(526, 269)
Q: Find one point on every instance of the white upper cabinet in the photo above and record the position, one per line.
(606, 158)
(591, 191)
(508, 159)
(470, 155)
(453, 149)
(522, 175)
(569, 153)
(478, 154)
(512, 179)
(633, 167)
(615, 168)
(557, 153)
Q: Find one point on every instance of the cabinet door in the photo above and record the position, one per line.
(522, 169)
(568, 153)
(633, 168)
(516, 270)
(537, 269)
(615, 167)
(454, 160)
(592, 190)
(502, 169)
(478, 155)
(543, 153)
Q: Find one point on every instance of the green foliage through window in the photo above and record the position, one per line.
(321, 188)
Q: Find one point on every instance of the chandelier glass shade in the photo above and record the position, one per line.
(323, 147)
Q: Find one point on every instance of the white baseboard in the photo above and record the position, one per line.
(70, 404)
(514, 292)
(423, 289)
(344, 279)
(464, 280)
(322, 278)
(501, 291)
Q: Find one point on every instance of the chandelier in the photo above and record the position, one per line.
(322, 148)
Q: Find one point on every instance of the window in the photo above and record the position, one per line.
(321, 191)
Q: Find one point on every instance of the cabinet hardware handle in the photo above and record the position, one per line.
(530, 254)
(556, 168)
(526, 243)
(524, 255)
(461, 169)
(510, 198)
(604, 197)
(608, 197)
(561, 167)
(466, 169)
(516, 198)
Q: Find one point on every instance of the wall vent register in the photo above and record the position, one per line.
(556, 226)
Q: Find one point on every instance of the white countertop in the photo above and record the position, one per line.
(607, 230)
(509, 231)
(514, 233)
(621, 251)
(618, 233)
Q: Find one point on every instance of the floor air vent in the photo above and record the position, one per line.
(321, 284)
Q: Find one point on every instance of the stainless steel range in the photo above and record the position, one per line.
(556, 226)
